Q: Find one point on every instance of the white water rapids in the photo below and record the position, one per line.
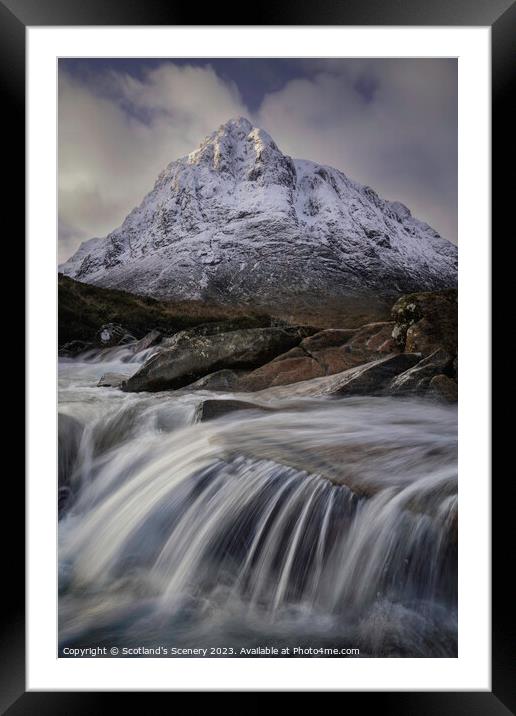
(323, 522)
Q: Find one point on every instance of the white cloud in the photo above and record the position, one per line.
(115, 137)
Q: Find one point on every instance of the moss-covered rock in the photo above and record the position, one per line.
(426, 321)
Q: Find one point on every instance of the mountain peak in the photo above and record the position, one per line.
(236, 123)
(239, 150)
(236, 130)
(238, 220)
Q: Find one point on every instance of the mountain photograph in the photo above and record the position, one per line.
(257, 353)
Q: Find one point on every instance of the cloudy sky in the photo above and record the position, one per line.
(391, 124)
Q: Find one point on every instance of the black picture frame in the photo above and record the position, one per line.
(500, 15)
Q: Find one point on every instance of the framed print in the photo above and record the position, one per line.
(257, 259)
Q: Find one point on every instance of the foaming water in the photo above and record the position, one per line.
(317, 523)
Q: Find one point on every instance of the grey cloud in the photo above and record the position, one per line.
(69, 238)
(402, 139)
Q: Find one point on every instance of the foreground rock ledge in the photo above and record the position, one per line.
(372, 378)
(218, 408)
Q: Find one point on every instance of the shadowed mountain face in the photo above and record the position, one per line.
(239, 222)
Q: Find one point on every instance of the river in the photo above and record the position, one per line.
(318, 523)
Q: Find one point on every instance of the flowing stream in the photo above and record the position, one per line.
(324, 523)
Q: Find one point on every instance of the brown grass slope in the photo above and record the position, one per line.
(83, 309)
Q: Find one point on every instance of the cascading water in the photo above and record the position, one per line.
(318, 523)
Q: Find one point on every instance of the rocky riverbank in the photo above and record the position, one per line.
(206, 347)
(276, 479)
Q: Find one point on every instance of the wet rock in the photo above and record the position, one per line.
(373, 377)
(149, 340)
(443, 388)
(370, 379)
(219, 380)
(417, 379)
(426, 321)
(112, 380)
(188, 360)
(211, 409)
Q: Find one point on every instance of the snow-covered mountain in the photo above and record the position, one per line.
(239, 221)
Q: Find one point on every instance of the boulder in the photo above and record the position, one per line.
(417, 379)
(373, 378)
(185, 362)
(211, 409)
(444, 388)
(112, 380)
(426, 321)
(110, 334)
(213, 329)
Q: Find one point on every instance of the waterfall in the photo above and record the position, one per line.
(321, 522)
